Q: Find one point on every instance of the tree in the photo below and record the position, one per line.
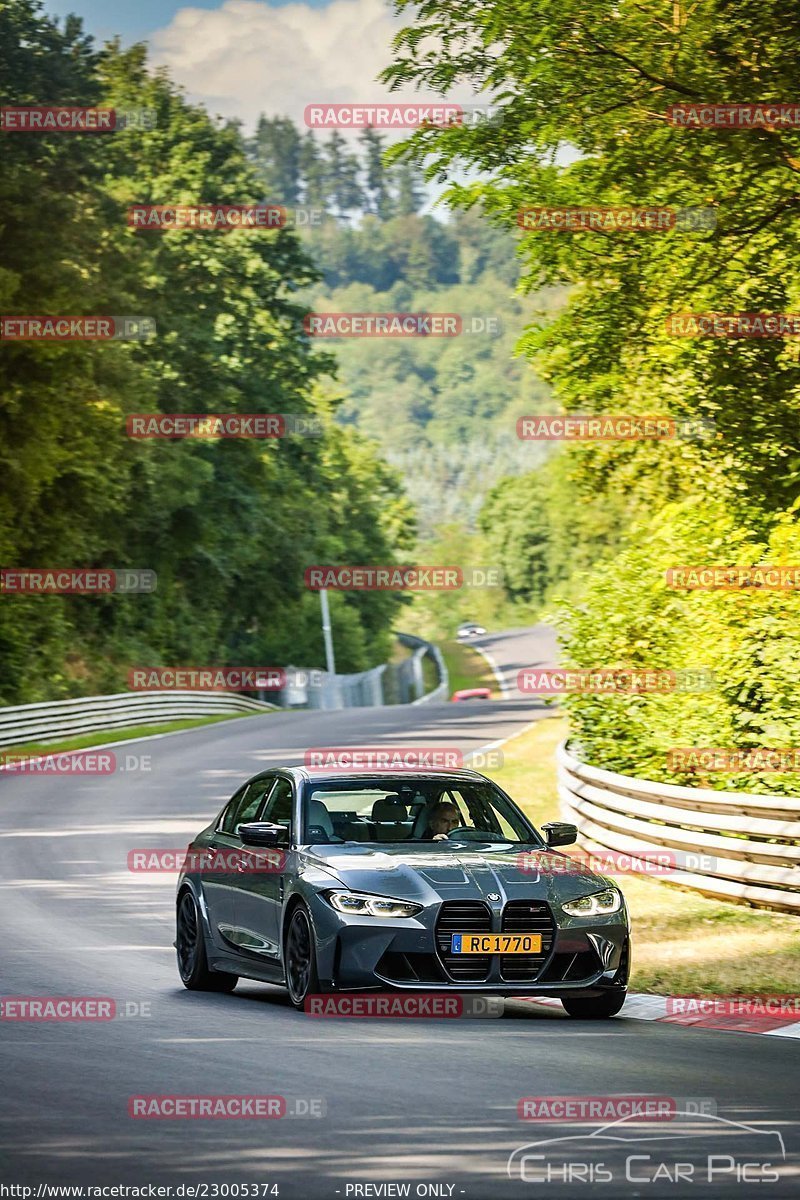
(565, 75)
(376, 183)
(275, 151)
(408, 185)
(343, 171)
(228, 526)
(317, 190)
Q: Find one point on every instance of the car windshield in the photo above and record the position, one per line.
(422, 811)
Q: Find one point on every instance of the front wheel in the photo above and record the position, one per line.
(300, 957)
(193, 968)
(595, 1008)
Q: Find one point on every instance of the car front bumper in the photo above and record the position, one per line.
(355, 952)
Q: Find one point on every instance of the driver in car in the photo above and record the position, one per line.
(443, 819)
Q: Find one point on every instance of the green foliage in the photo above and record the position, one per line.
(229, 526)
(627, 617)
(328, 174)
(583, 92)
(566, 76)
(442, 410)
(437, 615)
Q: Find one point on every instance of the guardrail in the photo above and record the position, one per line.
(422, 648)
(363, 689)
(59, 719)
(390, 683)
(748, 845)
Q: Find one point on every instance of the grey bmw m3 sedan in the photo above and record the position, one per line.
(326, 881)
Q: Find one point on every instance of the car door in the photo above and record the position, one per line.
(260, 889)
(221, 876)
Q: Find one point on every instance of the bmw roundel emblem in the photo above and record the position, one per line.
(492, 895)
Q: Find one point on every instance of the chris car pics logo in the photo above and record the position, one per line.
(693, 1148)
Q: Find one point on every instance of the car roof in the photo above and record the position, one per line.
(325, 774)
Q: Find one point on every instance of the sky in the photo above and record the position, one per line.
(244, 57)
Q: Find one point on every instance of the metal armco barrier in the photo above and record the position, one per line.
(390, 683)
(748, 845)
(58, 719)
(363, 689)
(66, 718)
(422, 648)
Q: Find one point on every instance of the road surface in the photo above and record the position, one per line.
(428, 1104)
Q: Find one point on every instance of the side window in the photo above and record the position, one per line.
(244, 805)
(278, 808)
(480, 814)
(225, 822)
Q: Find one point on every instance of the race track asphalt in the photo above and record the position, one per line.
(427, 1103)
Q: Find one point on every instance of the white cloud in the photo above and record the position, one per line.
(246, 57)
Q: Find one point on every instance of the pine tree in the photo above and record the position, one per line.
(275, 151)
(343, 171)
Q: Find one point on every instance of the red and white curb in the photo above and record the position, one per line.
(642, 1007)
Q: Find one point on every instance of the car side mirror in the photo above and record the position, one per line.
(263, 833)
(560, 833)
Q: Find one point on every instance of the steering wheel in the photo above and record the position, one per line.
(458, 829)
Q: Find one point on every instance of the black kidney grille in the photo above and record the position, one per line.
(527, 916)
(463, 916)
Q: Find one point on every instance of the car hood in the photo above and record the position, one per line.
(458, 872)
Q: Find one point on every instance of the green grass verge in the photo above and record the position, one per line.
(101, 736)
(467, 669)
(682, 942)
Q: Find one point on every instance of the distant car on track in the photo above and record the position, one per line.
(469, 630)
(422, 881)
(479, 693)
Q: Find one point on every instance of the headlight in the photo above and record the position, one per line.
(371, 906)
(597, 905)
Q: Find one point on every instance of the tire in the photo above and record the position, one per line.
(595, 1008)
(300, 957)
(193, 968)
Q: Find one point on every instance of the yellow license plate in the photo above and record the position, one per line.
(496, 943)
